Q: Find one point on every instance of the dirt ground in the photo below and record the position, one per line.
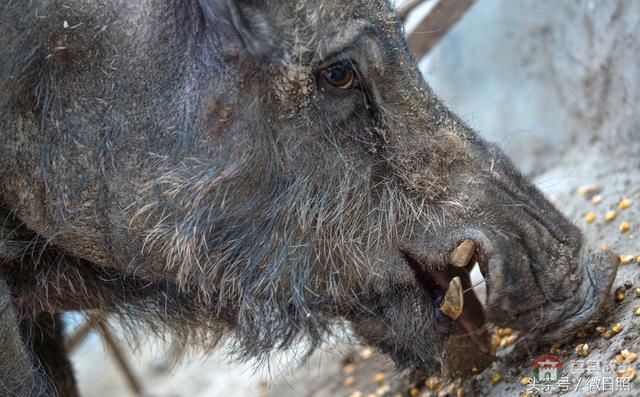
(557, 85)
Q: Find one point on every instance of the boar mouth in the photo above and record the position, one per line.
(451, 289)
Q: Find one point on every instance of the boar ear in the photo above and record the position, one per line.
(239, 20)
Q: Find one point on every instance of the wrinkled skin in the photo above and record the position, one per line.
(185, 163)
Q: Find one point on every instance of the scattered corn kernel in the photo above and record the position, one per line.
(583, 349)
(495, 378)
(625, 227)
(379, 377)
(627, 373)
(509, 340)
(626, 259)
(607, 334)
(629, 356)
(502, 332)
(624, 204)
(616, 329)
(597, 199)
(588, 191)
(611, 215)
(525, 380)
(366, 353)
(350, 369)
(638, 258)
(349, 381)
(414, 391)
(590, 217)
(636, 310)
(619, 294)
(618, 359)
(474, 370)
(432, 383)
(382, 390)
(601, 329)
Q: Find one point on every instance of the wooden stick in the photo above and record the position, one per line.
(118, 354)
(406, 7)
(435, 25)
(80, 333)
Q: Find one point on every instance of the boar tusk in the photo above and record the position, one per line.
(453, 302)
(461, 256)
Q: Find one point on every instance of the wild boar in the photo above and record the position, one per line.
(260, 170)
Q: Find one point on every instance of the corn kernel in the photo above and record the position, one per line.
(349, 381)
(600, 329)
(510, 340)
(626, 259)
(611, 215)
(627, 373)
(589, 191)
(590, 217)
(495, 378)
(379, 377)
(414, 391)
(350, 369)
(382, 390)
(583, 349)
(597, 199)
(618, 359)
(636, 310)
(616, 329)
(624, 204)
(366, 353)
(525, 380)
(432, 383)
(625, 227)
(629, 356)
(502, 332)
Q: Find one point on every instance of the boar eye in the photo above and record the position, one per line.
(338, 78)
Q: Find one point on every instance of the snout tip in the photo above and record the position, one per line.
(601, 268)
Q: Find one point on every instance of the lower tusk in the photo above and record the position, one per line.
(453, 302)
